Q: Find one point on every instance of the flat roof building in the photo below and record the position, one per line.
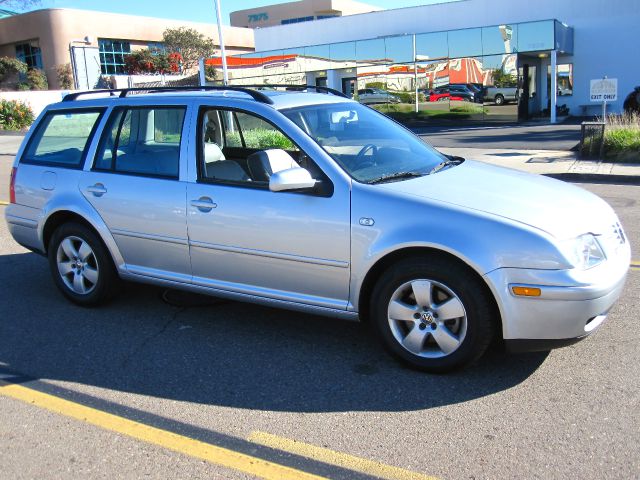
(464, 59)
(98, 41)
(297, 12)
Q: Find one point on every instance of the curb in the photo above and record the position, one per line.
(596, 178)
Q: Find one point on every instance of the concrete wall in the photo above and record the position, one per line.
(55, 28)
(273, 14)
(605, 33)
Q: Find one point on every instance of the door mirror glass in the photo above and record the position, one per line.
(291, 179)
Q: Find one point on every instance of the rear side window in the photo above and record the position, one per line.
(62, 138)
(142, 141)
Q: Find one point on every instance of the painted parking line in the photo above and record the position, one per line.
(325, 455)
(2, 202)
(172, 441)
(635, 265)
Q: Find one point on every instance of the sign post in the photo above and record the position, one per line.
(604, 90)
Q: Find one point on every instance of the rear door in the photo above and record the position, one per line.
(134, 184)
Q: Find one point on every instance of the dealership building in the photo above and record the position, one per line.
(543, 53)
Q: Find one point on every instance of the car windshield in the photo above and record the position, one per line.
(370, 147)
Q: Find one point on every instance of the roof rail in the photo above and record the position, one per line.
(290, 87)
(122, 92)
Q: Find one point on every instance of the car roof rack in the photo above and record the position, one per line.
(123, 92)
(296, 87)
(252, 90)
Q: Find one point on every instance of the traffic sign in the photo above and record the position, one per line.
(604, 90)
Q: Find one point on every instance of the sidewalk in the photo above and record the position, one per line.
(560, 164)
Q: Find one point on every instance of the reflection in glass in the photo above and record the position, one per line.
(500, 92)
(533, 36)
(399, 49)
(371, 52)
(432, 46)
(564, 38)
(465, 43)
(295, 57)
(317, 58)
(499, 39)
(564, 79)
(343, 55)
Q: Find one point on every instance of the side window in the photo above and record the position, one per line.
(238, 147)
(143, 141)
(62, 138)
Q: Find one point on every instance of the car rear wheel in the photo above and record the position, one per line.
(432, 313)
(81, 265)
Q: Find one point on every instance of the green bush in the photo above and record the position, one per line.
(65, 76)
(9, 66)
(15, 115)
(37, 80)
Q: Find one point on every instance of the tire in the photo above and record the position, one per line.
(81, 265)
(499, 100)
(455, 328)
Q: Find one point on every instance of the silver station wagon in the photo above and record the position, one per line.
(309, 201)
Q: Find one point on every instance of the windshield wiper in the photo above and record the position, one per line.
(449, 162)
(395, 176)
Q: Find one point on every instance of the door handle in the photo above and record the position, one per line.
(204, 204)
(98, 189)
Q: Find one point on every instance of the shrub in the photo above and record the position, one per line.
(15, 115)
(9, 66)
(151, 61)
(37, 80)
(65, 77)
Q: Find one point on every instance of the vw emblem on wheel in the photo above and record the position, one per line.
(427, 317)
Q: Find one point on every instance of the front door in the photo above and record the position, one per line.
(244, 238)
(134, 186)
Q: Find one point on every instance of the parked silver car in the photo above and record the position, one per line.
(315, 203)
(370, 96)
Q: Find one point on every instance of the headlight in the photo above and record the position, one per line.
(584, 252)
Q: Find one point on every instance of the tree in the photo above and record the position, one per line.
(19, 4)
(189, 43)
(501, 79)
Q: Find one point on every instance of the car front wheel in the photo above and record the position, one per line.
(81, 265)
(432, 313)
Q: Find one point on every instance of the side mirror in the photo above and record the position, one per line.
(291, 179)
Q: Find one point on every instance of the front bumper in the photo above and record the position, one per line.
(572, 305)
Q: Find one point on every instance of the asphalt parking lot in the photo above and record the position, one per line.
(161, 386)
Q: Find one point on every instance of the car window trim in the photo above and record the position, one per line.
(253, 185)
(103, 138)
(65, 111)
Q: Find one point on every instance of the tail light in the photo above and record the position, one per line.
(12, 185)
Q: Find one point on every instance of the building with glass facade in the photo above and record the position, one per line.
(467, 59)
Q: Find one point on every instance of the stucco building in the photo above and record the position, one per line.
(95, 43)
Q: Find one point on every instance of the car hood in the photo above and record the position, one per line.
(559, 208)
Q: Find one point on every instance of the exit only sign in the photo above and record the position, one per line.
(604, 90)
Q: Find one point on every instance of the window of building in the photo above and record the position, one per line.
(30, 54)
(143, 141)
(62, 138)
(156, 47)
(296, 20)
(322, 17)
(112, 55)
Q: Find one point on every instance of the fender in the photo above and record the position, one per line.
(69, 203)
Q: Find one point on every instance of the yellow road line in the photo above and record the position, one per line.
(3, 202)
(163, 438)
(339, 459)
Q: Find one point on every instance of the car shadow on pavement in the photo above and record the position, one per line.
(221, 353)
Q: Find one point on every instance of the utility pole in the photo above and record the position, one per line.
(221, 38)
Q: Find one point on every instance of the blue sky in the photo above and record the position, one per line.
(193, 10)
